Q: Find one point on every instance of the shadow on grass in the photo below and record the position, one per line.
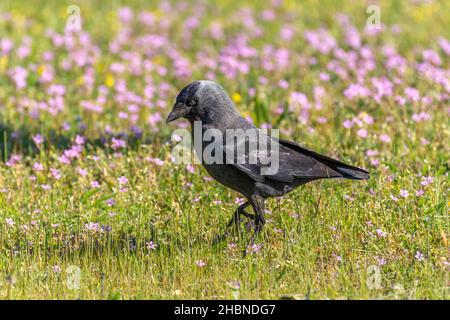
(19, 140)
(106, 243)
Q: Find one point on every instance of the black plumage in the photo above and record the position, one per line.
(206, 101)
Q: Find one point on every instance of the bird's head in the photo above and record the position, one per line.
(204, 101)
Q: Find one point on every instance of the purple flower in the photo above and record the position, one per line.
(106, 228)
(419, 256)
(287, 33)
(151, 245)
(299, 98)
(38, 139)
(6, 45)
(19, 76)
(431, 57)
(79, 140)
(55, 173)
(412, 94)
(445, 45)
(156, 161)
(118, 143)
(190, 168)
(10, 222)
(381, 233)
(337, 257)
(38, 167)
(56, 90)
(381, 261)
(154, 119)
(73, 152)
(13, 160)
(352, 37)
(355, 90)
(404, 193)
(348, 123)
(371, 153)
(421, 116)
(254, 249)
(383, 87)
(91, 226)
(394, 198)
(122, 180)
(320, 40)
(56, 269)
(125, 15)
(362, 133)
(95, 184)
(426, 180)
(200, 263)
(420, 193)
(385, 138)
(63, 159)
(349, 198)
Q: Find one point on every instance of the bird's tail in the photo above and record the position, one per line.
(350, 172)
(345, 170)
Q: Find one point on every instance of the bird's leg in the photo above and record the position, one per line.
(257, 203)
(236, 218)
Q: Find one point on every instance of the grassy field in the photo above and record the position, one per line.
(92, 207)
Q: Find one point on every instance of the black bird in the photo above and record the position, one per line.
(206, 101)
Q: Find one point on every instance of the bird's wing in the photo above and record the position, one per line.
(294, 162)
(320, 165)
(251, 171)
(248, 157)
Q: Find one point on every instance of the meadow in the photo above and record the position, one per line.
(93, 207)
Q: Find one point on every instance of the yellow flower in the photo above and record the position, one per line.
(99, 67)
(80, 80)
(424, 11)
(109, 80)
(158, 60)
(158, 13)
(41, 69)
(236, 97)
(3, 63)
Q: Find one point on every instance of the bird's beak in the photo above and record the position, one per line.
(179, 110)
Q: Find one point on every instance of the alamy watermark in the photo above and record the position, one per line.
(373, 280)
(73, 22)
(73, 277)
(374, 19)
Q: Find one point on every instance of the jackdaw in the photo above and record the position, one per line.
(207, 102)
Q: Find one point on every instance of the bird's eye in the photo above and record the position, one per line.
(192, 102)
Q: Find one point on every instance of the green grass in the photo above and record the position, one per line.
(319, 241)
